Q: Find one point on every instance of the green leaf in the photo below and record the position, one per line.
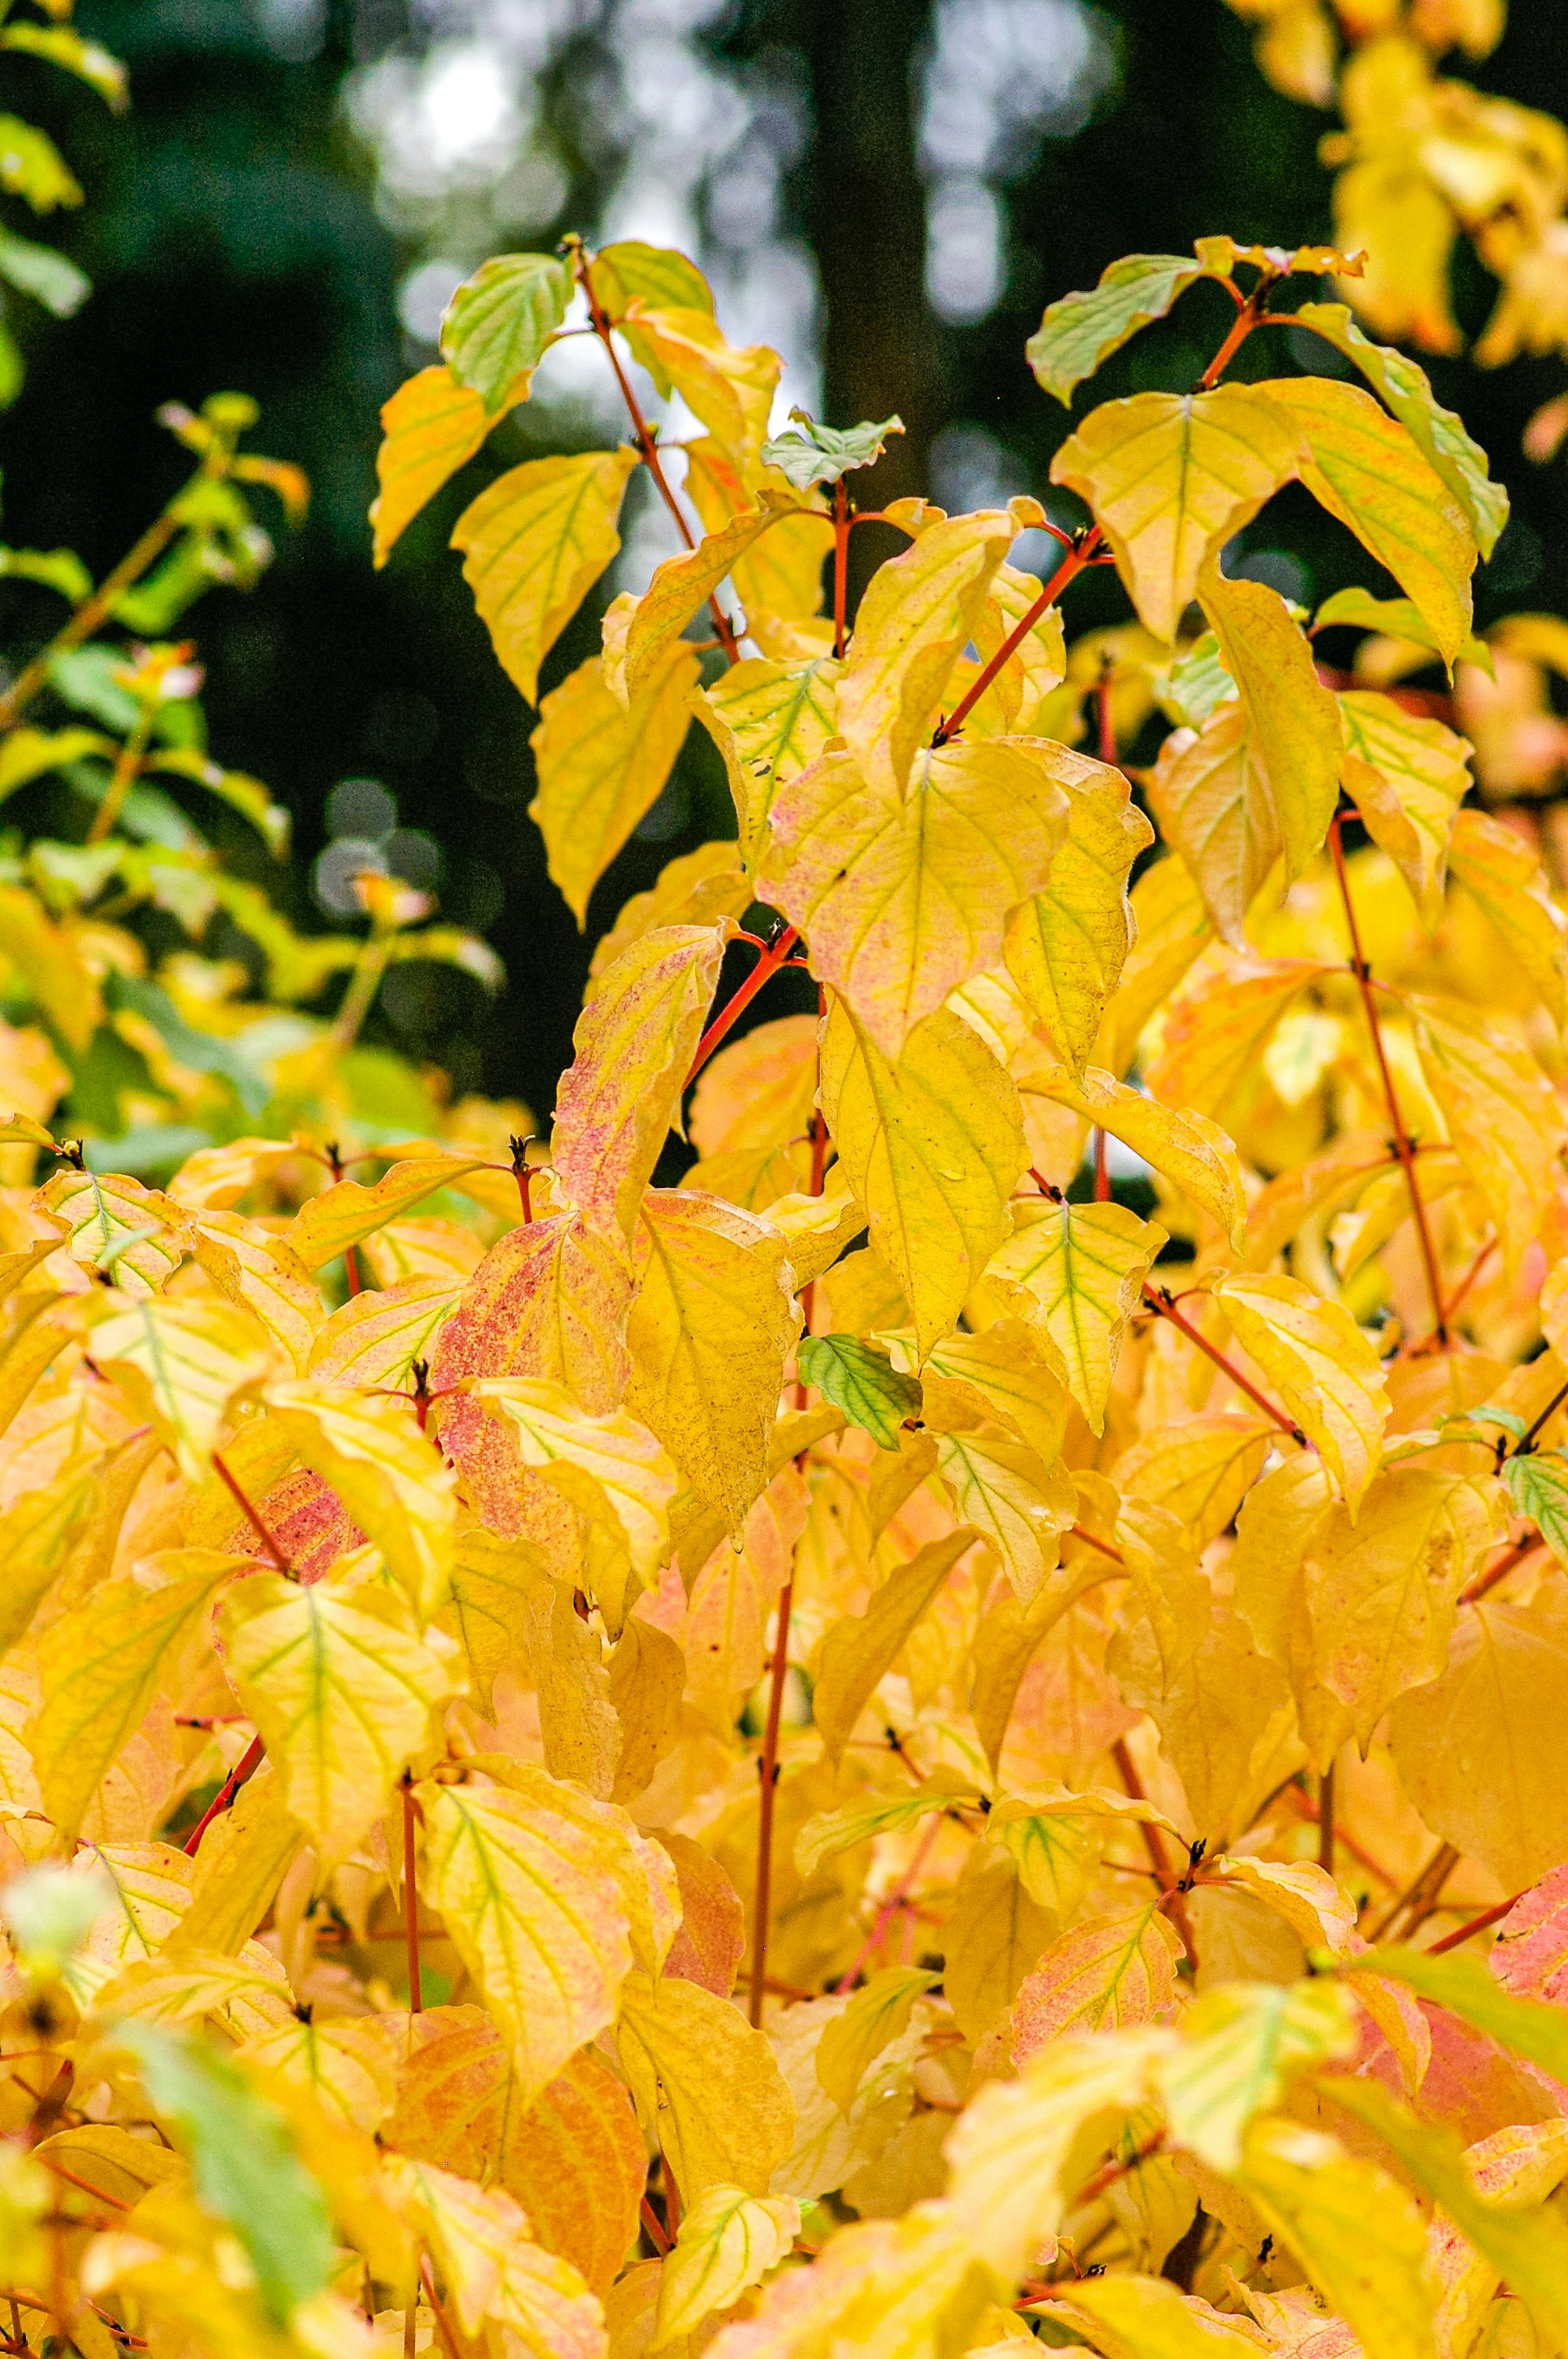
(1242, 2042)
(831, 1831)
(862, 1382)
(1539, 1488)
(242, 2162)
(1192, 689)
(204, 1052)
(31, 166)
(810, 453)
(65, 48)
(40, 272)
(56, 568)
(1395, 618)
(1083, 330)
(657, 275)
(874, 2018)
(499, 323)
(1407, 389)
(1461, 1984)
(242, 793)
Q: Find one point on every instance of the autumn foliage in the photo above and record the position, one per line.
(950, 1731)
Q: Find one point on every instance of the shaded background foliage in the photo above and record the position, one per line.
(890, 191)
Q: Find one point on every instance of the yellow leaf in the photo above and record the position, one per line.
(932, 1147)
(633, 1045)
(1296, 731)
(1477, 1749)
(180, 1363)
(729, 2240)
(1079, 1270)
(1011, 1373)
(1353, 2229)
(647, 1678)
(759, 1090)
(1011, 2150)
(430, 428)
(904, 895)
(38, 1535)
(1020, 696)
(493, 2269)
(54, 970)
(110, 1224)
(1365, 468)
(1146, 2317)
(101, 1665)
(350, 2068)
(1200, 1468)
(1504, 875)
(710, 1327)
(857, 1654)
(529, 1899)
(693, 890)
(1502, 1114)
(387, 1474)
(1011, 1498)
(375, 1339)
(1383, 1592)
(1066, 945)
(902, 2289)
(243, 1857)
(913, 623)
(993, 1935)
(1408, 777)
(1112, 1974)
(1172, 928)
(494, 1584)
(636, 641)
(878, 2013)
(533, 544)
(768, 721)
(706, 2086)
(1239, 2043)
(344, 1213)
(1326, 1371)
(260, 1272)
(342, 1693)
(782, 573)
(1188, 1149)
(601, 764)
(1217, 1027)
(728, 387)
(611, 1468)
(1171, 477)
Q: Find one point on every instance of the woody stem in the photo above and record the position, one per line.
(734, 1008)
(841, 560)
(247, 1764)
(1162, 1303)
(253, 1515)
(1080, 555)
(648, 445)
(1403, 1146)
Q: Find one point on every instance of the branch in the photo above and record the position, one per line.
(1081, 554)
(1159, 1300)
(733, 1009)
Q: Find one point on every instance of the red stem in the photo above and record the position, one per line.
(1403, 1145)
(767, 1776)
(841, 560)
(247, 1764)
(410, 1899)
(1102, 1171)
(651, 2222)
(1251, 315)
(733, 1009)
(1154, 1845)
(1167, 1309)
(1082, 554)
(890, 1908)
(253, 1515)
(1477, 1925)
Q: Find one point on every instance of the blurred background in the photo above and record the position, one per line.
(887, 190)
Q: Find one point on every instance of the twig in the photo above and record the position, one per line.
(1154, 1845)
(1403, 1144)
(734, 1008)
(767, 1777)
(655, 2227)
(1159, 1301)
(1325, 1820)
(253, 1515)
(247, 1764)
(410, 1899)
(1477, 1925)
(443, 2325)
(1507, 1563)
(1428, 1883)
(91, 612)
(1081, 554)
(889, 1908)
(841, 560)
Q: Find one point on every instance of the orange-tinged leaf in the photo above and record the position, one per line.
(1110, 1973)
(1218, 1025)
(100, 1666)
(492, 2266)
(1171, 477)
(1326, 1371)
(1383, 1592)
(601, 764)
(1365, 468)
(611, 1468)
(387, 1474)
(1066, 945)
(705, 2084)
(528, 1899)
(757, 1090)
(342, 1692)
(349, 2066)
(728, 387)
(633, 1047)
(769, 720)
(1504, 1119)
(1147, 2316)
(913, 623)
(903, 893)
(932, 1147)
(1477, 1747)
(712, 1937)
(1079, 1270)
(574, 2160)
(430, 428)
(692, 890)
(533, 544)
(712, 1322)
(338, 1218)
(1504, 875)
(1530, 1956)
(1296, 733)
